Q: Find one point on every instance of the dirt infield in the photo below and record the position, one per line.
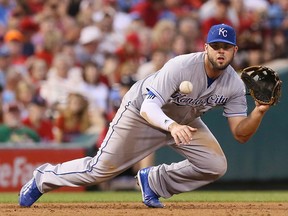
(127, 209)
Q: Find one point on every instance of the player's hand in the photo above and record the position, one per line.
(262, 108)
(182, 134)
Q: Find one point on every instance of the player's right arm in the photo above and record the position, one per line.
(151, 111)
(182, 134)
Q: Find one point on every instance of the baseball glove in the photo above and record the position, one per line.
(263, 83)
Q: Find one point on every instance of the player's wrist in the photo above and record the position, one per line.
(171, 125)
(262, 109)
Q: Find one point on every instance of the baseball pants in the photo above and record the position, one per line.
(130, 139)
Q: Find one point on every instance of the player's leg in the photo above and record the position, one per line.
(205, 163)
(125, 144)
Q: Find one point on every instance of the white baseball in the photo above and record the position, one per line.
(186, 87)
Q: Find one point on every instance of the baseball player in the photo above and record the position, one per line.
(153, 114)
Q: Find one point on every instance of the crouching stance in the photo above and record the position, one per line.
(155, 113)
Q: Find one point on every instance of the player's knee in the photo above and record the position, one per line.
(213, 167)
(218, 166)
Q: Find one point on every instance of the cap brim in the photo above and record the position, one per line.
(222, 41)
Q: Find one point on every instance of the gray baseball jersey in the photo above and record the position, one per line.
(228, 90)
(130, 138)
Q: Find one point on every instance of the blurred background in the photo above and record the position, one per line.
(65, 65)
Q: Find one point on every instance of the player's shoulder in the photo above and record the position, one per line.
(188, 60)
(232, 73)
(232, 79)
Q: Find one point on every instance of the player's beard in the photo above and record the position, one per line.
(216, 65)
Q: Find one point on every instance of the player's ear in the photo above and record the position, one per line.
(205, 47)
(235, 50)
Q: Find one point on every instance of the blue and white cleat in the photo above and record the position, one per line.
(29, 194)
(149, 198)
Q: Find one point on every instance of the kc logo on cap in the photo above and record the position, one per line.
(221, 33)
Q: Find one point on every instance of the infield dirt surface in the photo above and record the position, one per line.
(138, 209)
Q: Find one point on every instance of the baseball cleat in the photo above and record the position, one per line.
(29, 194)
(149, 198)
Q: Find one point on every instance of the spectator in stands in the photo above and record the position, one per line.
(68, 49)
(220, 16)
(121, 19)
(246, 17)
(86, 51)
(61, 79)
(279, 45)
(190, 29)
(1, 104)
(73, 120)
(149, 11)
(86, 11)
(28, 27)
(163, 35)
(94, 87)
(66, 23)
(12, 130)
(209, 9)
(109, 69)
(128, 55)
(37, 71)
(182, 8)
(47, 40)
(38, 121)
(13, 77)
(257, 5)
(24, 93)
(17, 12)
(14, 40)
(179, 46)
(5, 10)
(4, 64)
(111, 39)
(158, 59)
(145, 49)
(250, 38)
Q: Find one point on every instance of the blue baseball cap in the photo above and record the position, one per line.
(221, 33)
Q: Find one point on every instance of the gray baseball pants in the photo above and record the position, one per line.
(130, 139)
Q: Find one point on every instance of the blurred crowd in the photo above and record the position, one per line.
(65, 65)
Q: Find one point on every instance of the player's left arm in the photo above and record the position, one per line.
(243, 128)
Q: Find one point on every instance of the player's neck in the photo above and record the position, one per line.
(210, 71)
